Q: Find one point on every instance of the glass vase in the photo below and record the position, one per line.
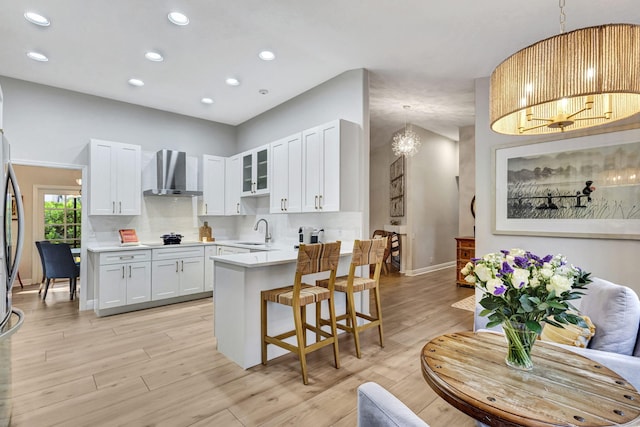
(520, 340)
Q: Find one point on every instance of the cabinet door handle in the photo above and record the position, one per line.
(126, 257)
(320, 202)
(316, 203)
(123, 271)
(206, 208)
(181, 265)
(113, 207)
(129, 271)
(176, 266)
(120, 203)
(286, 202)
(237, 207)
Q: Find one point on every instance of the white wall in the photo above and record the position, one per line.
(431, 202)
(614, 260)
(467, 180)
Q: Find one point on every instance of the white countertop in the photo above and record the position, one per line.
(115, 247)
(271, 257)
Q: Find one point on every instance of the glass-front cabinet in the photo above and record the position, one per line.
(255, 172)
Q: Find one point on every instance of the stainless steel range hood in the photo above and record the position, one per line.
(171, 167)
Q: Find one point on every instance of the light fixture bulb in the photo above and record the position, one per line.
(37, 56)
(136, 82)
(232, 81)
(267, 55)
(154, 56)
(206, 100)
(178, 18)
(36, 18)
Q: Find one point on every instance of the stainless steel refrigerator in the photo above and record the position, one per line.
(11, 318)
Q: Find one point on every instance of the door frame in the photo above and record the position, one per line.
(38, 219)
(83, 303)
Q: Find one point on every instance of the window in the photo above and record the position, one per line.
(62, 219)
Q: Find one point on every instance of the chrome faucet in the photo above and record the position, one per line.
(267, 236)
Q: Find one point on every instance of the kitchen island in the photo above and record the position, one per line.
(239, 279)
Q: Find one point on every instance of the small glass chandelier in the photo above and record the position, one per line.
(405, 143)
(571, 81)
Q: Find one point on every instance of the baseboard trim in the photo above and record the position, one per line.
(430, 269)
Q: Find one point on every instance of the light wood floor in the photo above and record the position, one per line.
(160, 367)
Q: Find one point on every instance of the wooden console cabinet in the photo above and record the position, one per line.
(466, 249)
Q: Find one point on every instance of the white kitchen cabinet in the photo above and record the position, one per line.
(331, 166)
(124, 278)
(286, 175)
(233, 186)
(213, 185)
(209, 251)
(255, 172)
(321, 172)
(177, 271)
(115, 178)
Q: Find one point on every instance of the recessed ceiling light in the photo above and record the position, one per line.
(36, 18)
(263, 91)
(136, 82)
(154, 56)
(232, 82)
(37, 56)
(267, 55)
(206, 101)
(178, 18)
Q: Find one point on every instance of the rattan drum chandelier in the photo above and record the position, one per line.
(575, 80)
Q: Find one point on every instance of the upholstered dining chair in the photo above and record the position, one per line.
(44, 271)
(314, 258)
(365, 253)
(59, 264)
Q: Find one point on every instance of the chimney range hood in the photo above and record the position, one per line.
(171, 170)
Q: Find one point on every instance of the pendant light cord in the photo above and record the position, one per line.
(563, 17)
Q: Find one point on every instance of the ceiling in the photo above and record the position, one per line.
(421, 53)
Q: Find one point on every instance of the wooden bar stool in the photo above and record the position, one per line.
(314, 258)
(365, 252)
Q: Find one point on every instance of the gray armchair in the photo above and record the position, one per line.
(379, 408)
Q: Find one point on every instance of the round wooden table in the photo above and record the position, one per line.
(467, 369)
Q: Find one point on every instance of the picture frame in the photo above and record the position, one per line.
(396, 188)
(585, 187)
(397, 168)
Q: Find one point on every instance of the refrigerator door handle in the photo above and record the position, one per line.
(15, 327)
(12, 270)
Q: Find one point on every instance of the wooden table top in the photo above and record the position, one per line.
(468, 370)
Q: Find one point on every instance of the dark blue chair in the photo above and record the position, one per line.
(58, 263)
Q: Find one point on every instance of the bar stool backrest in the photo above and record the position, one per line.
(367, 252)
(318, 257)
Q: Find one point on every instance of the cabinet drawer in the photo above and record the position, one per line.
(466, 243)
(465, 253)
(173, 253)
(124, 256)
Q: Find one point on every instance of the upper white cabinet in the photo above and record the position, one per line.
(286, 175)
(213, 185)
(115, 178)
(255, 172)
(233, 186)
(321, 172)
